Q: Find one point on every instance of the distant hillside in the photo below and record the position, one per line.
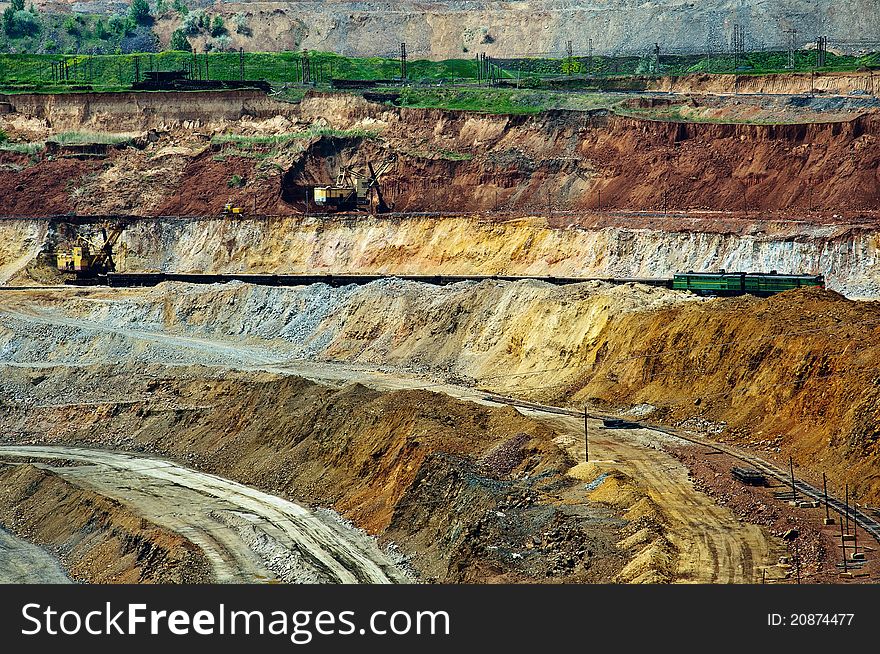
(456, 28)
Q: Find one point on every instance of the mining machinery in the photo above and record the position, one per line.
(88, 260)
(354, 190)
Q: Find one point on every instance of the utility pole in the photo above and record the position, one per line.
(590, 57)
(306, 68)
(586, 438)
(793, 487)
(791, 40)
(828, 519)
(569, 57)
(403, 75)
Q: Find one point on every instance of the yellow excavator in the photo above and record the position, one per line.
(87, 260)
(229, 209)
(354, 190)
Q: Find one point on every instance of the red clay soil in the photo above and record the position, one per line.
(558, 162)
(42, 189)
(205, 188)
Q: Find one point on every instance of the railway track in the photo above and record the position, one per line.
(152, 279)
(866, 522)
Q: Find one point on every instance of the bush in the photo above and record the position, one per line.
(179, 41)
(241, 26)
(192, 23)
(180, 8)
(101, 31)
(71, 26)
(20, 22)
(218, 27)
(236, 181)
(222, 43)
(122, 25)
(17, 5)
(140, 11)
(3, 136)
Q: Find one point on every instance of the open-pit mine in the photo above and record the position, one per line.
(246, 340)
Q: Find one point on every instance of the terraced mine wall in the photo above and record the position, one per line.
(792, 374)
(117, 112)
(551, 163)
(463, 245)
(867, 82)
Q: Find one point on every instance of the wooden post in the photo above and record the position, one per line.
(825, 491)
(586, 438)
(793, 487)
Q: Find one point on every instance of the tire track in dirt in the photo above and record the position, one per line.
(339, 560)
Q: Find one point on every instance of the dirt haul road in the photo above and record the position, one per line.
(712, 546)
(248, 535)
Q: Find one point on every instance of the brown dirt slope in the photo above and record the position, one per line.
(370, 455)
(98, 539)
(453, 161)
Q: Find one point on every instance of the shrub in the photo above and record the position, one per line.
(222, 43)
(71, 26)
(139, 11)
(3, 136)
(218, 27)
(180, 8)
(236, 181)
(192, 23)
(20, 22)
(241, 26)
(101, 31)
(179, 41)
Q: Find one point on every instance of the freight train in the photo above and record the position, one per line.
(703, 283)
(741, 283)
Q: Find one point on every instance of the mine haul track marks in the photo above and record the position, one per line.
(188, 501)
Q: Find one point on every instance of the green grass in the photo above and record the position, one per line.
(85, 138)
(273, 140)
(23, 148)
(499, 100)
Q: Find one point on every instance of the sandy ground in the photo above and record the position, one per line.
(24, 563)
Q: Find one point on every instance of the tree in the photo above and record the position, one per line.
(140, 11)
(218, 27)
(179, 41)
(17, 5)
(9, 21)
(101, 31)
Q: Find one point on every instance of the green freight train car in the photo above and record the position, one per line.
(740, 283)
